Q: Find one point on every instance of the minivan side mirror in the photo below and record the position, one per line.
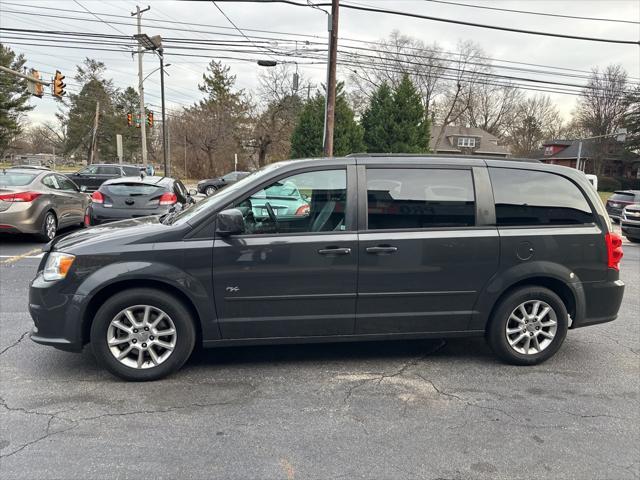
(230, 222)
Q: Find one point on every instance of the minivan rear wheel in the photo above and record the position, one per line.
(528, 326)
(142, 334)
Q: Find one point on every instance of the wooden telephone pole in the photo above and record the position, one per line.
(330, 109)
(94, 138)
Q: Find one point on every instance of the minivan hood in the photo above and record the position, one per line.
(124, 231)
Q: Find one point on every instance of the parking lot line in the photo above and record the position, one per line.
(14, 258)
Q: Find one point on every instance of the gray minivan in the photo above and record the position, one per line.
(390, 247)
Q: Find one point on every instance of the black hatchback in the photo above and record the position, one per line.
(133, 197)
(388, 247)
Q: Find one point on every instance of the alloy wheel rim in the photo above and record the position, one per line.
(141, 336)
(210, 190)
(531, 327)
(50, 226)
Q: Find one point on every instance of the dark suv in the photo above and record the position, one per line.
(92, 176)
(389, 248)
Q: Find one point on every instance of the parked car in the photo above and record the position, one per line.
(212, 185)
(39, 202)
(133, 197)
(630, 222)
(92, 176)
(392, 247)
(284, 198)
(619, 200)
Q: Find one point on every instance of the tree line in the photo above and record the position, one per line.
(387, 108)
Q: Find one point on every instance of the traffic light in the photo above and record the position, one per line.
(137, 120)
(150, 119)
(129, 120)
(58, 85)
(35, 88)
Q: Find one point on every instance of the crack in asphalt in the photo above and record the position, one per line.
(79, 421)
(16, 342)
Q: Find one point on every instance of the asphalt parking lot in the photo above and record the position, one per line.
(419, 409)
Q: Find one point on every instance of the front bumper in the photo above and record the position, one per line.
(630, 228)
(56, 315)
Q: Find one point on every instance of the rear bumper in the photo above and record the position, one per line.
(21, 218)
(602, 302)
(101, 215)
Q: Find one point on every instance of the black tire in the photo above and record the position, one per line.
(179, 314)
(210, 190)
(633, 239)
(45, 234)
(496, 330)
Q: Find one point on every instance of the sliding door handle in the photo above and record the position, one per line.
(334, 251)
(382, 250)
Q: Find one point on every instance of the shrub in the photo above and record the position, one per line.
(609, 184)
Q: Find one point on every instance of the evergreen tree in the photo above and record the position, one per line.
(410, 128)
(306, 140)
(377, 121)
(14, 97)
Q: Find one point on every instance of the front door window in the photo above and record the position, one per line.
(306, 202)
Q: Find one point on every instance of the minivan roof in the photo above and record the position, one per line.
(440, 155)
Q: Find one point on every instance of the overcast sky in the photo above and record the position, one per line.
(185, 73)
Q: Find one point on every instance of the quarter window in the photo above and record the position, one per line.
(525, 197)
(307, 202)
(419, 198)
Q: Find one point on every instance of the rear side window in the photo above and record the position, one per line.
(131, 171)
(419, 198)
(109, 170)
(132, 189)
(525, 197)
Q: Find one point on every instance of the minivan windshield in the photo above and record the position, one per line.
(222, 197)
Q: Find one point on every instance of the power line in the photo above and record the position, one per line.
(534, 13)
(342, 39)
(447, 20)
(96, 16)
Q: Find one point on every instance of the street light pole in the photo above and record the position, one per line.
(143, 119)
(164, 116)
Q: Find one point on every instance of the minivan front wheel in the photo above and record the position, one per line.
(528, 326)
(142, 334)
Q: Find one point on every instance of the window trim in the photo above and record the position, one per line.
(363, 207)
(350, 212)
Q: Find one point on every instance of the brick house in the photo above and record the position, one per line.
(466, 141)
(617, 162)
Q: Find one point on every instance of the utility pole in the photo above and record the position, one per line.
(143, 117)
(94, 139)
(165, 129)
(330, 106)
(185, 156)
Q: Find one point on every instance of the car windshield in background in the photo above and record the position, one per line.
(622, 197)
(16, 179)
(132, 189)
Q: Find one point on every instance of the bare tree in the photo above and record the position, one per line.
(390, 60)
(602, 106)
(493, 108)
(536, 120)
(467, 70)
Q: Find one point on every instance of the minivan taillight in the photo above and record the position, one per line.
(97, 197)
(20, 197)
(614, 250)
(168, 198)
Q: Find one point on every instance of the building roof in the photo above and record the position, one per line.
(488, 143)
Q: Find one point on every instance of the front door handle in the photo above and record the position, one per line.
(334, 251)
(382, 250)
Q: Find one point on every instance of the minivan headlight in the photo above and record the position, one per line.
(57, 266)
